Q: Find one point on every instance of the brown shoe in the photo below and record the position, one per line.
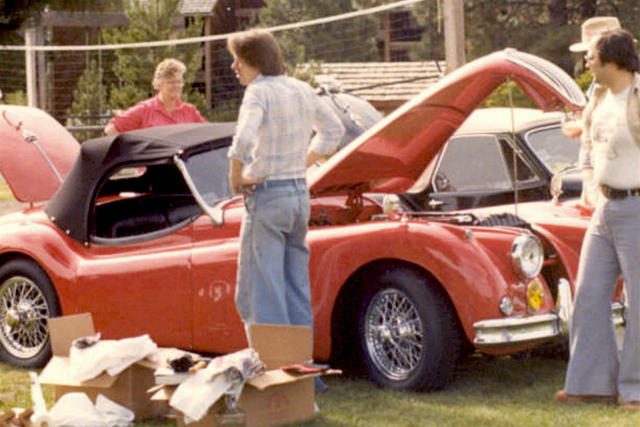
(563, 397)
(632, 405)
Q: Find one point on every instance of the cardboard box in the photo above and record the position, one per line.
(129, 388)
(276, 397)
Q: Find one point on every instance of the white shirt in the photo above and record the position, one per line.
(615, 155)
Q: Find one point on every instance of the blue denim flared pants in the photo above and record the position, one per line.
(611, 247)
(273, 274)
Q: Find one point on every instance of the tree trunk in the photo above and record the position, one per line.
(558, 12)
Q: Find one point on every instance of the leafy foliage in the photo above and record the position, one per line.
(342, 41)
(14, 13)
(89, 100)
(507, 95)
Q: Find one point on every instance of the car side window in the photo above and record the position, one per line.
(523, 170)
(472, 164)
(555, 150)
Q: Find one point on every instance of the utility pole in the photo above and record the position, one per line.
(30, 61)
(454, 34)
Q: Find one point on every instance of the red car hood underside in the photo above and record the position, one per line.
(392, 155)
(24, 131)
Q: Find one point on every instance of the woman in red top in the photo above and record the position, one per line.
(163, 109)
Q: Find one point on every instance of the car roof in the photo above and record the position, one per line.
(498, 120)
(69, 207)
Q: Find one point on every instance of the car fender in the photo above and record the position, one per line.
(464, 267)
(32, 236)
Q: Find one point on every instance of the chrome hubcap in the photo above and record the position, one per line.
(23, 314)
(394, 334)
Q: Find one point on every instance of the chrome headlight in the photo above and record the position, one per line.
(527, 255)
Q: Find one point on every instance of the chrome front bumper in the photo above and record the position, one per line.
(542, 327)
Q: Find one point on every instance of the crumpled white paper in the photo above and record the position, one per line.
(224, 374)
(112, 356)
(76, 410)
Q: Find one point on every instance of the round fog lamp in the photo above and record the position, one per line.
(527, 255)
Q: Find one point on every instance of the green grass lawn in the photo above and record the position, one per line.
(485, 391)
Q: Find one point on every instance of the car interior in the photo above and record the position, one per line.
(138, 201)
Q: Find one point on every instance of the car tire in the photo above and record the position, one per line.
(27, 300)
(408, 331)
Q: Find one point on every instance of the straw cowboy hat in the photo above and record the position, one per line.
(593, 27)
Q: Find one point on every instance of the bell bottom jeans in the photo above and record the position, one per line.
(273, 274)
(611, 247)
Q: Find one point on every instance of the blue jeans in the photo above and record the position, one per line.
(611, 247)
(273, 266)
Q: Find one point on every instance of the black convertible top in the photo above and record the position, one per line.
(69, 207)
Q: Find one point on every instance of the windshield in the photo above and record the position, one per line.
(556, 151)
(209, 172)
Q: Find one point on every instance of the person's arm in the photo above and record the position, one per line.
(313, 157)
(196, 117)
(249, 119)
(235, 175)
(590, 193)
(110, 129)
(131, 119)
(329, 133)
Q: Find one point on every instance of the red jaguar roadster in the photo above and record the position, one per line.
(140, 230)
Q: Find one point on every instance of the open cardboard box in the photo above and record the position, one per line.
(275, 397)
(129, 388)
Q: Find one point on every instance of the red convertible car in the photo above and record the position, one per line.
(140, 230)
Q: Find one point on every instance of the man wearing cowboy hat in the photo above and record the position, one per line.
(597, 372)
(591, 28)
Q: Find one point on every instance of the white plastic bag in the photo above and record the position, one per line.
(112, 356)
(77, 410)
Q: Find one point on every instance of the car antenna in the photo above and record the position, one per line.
(514, 149)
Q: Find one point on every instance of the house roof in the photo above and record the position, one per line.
(381, 82)
(193, 7)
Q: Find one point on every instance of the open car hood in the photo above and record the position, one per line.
(392, 155)
(36, 152)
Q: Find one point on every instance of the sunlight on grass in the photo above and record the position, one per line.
(485, 392)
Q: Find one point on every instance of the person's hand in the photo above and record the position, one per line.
(571, 124)
(245, 186)
(590, 189)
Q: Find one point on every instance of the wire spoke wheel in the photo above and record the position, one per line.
(23, 313)
(393, 334)
(408, 331)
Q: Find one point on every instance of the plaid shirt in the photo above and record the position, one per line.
(276, 121)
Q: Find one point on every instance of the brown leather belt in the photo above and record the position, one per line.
(615, 193)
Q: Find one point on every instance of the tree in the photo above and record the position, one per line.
(431, 45)
(351, 40)
(134, 68)
(89, 100)
(14, 13)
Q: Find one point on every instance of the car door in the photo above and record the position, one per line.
(140, 288)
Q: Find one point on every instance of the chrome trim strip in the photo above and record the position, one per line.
(522, 330)
(215, 212)
(496, 332)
